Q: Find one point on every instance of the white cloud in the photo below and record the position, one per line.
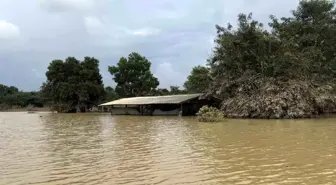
(37, 74)
(109, 29)
(212, 44)
(97, 26)
(94, 25)
(67, 5)
(145, 31)
(167, 75)
(170, 14)
(8, 30)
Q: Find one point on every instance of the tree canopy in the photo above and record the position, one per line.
(287, 70)
(73, 84)
(283, 72)
(133, 76)
(110, 94)
(301, 46)
(199, 80)
(176, 90)
(11, 97)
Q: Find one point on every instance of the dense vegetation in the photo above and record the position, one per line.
(11, 97)
(133, 76)
(74, 85)
(198, 80)
(209, 114)
(287, 71)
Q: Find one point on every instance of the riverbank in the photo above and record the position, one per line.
(42, 109)
(272, 99)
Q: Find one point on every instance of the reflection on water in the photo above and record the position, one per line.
(101, 149)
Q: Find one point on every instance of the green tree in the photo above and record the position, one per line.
(5, 90)
(308, 39)
(110, 94)
(199, 80)
(244, 51)
(160, 92)
(133, 76)
(73, 84)
(11, 97)
(176, 90)
(91, 83)
(287, 71)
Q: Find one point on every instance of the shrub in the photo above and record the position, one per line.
(285, 71)
(209, 114)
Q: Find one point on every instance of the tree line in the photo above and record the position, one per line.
(74, 85)
(285, 71)
(11, 97)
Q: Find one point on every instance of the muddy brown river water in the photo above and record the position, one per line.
(89, 149)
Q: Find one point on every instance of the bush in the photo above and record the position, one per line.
(209, 114)
(285, 71)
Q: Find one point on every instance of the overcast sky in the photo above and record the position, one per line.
(174, 35)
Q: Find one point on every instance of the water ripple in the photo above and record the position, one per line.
(89, 149)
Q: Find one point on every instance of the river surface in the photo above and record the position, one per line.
(99, 149)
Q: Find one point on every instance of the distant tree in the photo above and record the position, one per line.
(199, 80)
(160, 92)
(133, 76)
(73, 84)
(5, 90)
(92, 88)
(110, 94)
(11, 97)
(176, 90)
(163, 91)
